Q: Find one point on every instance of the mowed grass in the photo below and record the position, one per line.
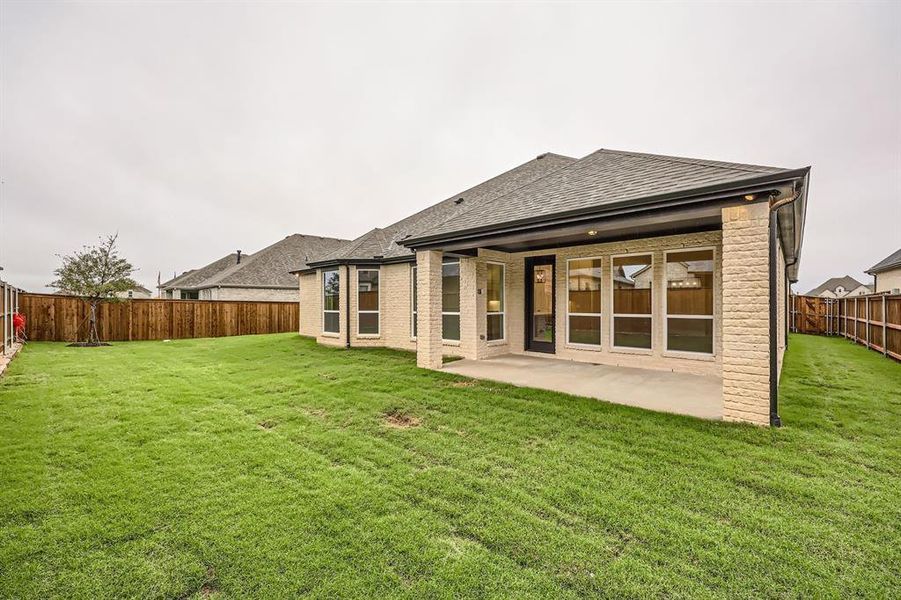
(268, 466)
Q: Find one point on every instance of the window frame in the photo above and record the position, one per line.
(459, 263)
(325, 332)
(712, 317)
(378, 312)
(503, 311)
(599, 315)
(413, 300)
(614, 314)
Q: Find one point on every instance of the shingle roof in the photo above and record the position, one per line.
(891, 261)
(269, 267)
(384, 242)
(191, 279)
(601, 179)
(847, 282)
(272, 266)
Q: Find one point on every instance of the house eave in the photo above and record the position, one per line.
(671, 200)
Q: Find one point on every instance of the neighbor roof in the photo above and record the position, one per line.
(847, 282)
(383, 244)
(892, 261)
(272, 266)
(599, 180)
(191, 279)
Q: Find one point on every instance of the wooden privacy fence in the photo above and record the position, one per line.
(873, 320)
(59, 318)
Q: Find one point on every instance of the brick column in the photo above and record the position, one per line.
(428, 305)
(746, 316)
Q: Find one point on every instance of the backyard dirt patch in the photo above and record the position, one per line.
(464, 384)
(267, 424)
(401, 420)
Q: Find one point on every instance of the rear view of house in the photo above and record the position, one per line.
(618, 258)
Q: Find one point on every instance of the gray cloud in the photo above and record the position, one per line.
(194, 129)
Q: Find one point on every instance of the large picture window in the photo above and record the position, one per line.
(495, 309)
(331, 303)
(413, 295)
(450, 299)
(584, 302)
(368, 301)
(689, 301)
(632, 288)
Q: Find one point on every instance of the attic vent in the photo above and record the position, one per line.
(458, 201)
(540, 156)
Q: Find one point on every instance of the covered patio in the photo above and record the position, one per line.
(680, 393)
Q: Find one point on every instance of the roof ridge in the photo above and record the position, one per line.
(701, 162)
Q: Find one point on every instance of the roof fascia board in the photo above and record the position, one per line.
(648, 203)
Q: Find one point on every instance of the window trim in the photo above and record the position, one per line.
(450, 261)
(369, 312)
(502, 313)
(325, 332)
(667, 316)
(599, 315)
(413, 308)
(614, 314)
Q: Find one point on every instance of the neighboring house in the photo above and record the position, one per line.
(887, 273)
(263, 275)
(839, 287)
(617, 258)
(139, 291)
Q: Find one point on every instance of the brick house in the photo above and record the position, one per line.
(263, 275)
(887, 273)
(618, 258)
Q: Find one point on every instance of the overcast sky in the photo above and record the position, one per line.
(195, 129)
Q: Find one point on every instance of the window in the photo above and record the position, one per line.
(368, 301)
(633, 277)
(413, 294)
(192, 295)
(331, 304)
(689, 301)
(450, 299)
(584, 301)
(495, 308)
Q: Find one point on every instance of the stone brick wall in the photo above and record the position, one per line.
(746, 385)
(310, 305)
(253, 294)
(428, 322)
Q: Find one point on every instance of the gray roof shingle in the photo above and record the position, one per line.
(268, 268)
(190, 279)
(603, 178)
(891, 261)
(272, 266)
(384, 242)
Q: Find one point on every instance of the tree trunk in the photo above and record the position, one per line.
(93, 337)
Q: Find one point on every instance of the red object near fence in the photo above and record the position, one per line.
(19, 325)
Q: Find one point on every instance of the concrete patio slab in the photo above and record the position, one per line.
(680, 393)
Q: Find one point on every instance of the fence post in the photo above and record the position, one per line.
(884, 329)
(856, 317)
(866, 316)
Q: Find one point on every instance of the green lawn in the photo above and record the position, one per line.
(265, 466)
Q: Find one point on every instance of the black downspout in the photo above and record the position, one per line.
(775, 421)
(347, 306)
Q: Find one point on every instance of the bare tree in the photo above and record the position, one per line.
(95, 274)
